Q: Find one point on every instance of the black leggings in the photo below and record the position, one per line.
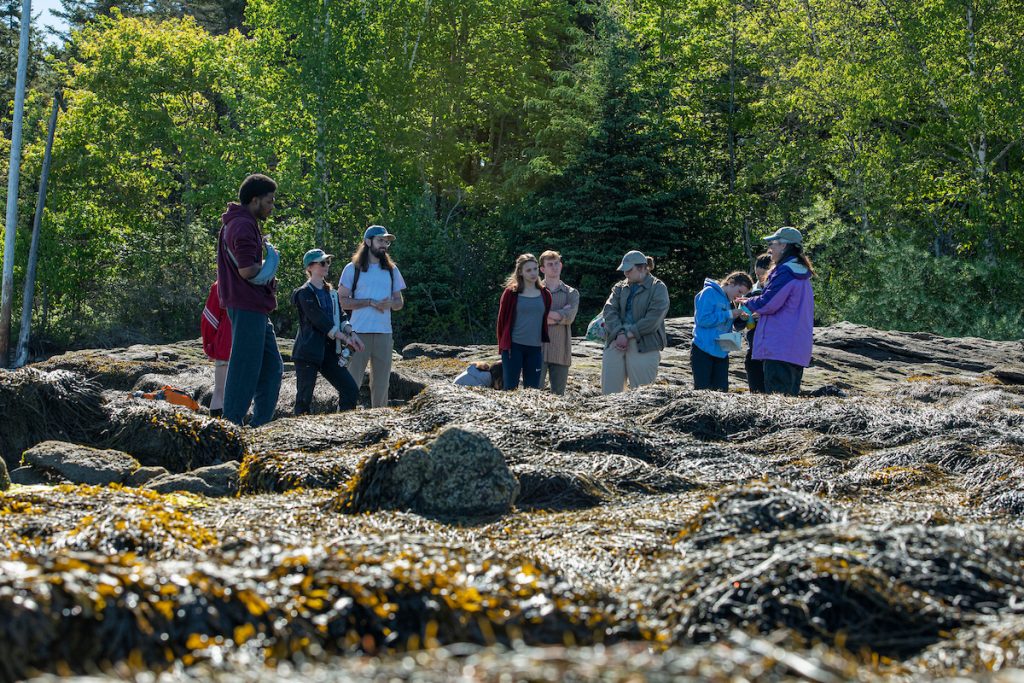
(340, 379)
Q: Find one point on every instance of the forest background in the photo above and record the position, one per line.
(888, 130)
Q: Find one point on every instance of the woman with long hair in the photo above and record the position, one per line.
(713, 316)
(784, 336)
(634, 321)
(523, 324)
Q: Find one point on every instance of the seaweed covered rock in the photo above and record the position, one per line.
(889, 591)
(213, 481)
(458, 474)
(163, 435)
(275, 472)
(115, 370)
(548, 488)
(81, 464)
(38, 406)
(758, 508)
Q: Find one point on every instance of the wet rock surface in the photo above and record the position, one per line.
(869, 528)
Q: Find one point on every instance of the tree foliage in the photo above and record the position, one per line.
(890, 132)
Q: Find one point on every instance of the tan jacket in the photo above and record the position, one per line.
(650, 306)
(564, 300)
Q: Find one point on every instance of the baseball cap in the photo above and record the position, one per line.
(786, 235)
(378, 231)
(632, 258)
(313, 256)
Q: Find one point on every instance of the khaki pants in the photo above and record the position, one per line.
(558, 376)
(618, 366)
(378, 354)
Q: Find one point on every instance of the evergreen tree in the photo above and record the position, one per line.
(634, 185)
(10, 35)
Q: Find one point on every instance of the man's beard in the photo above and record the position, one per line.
(379, 254)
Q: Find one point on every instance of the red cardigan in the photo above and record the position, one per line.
(507, 317)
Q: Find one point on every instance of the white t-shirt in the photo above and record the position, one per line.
(375, 284)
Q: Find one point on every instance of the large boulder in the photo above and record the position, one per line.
(81, 464)
(459, 474)
(215, 481)
(5, 479)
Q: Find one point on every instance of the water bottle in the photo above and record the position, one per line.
(344, 356)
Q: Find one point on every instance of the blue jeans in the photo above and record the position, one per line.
(525, 360)
(255, 368)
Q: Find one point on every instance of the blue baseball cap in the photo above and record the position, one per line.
(314, 256)
(378, 231)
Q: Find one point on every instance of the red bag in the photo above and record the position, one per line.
(215, 327)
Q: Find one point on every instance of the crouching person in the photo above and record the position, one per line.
(324, 331)
(480, 374)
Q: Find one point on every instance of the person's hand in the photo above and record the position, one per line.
(737, 313)
(355, 342)
(622, 341)
(381, 304)
(554, 317)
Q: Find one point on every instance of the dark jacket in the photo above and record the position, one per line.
(312, 345)
(507, 317)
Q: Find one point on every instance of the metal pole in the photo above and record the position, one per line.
(21, 356)
(11, 226)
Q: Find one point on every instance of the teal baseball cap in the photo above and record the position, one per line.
(378, 231)
(315, 256)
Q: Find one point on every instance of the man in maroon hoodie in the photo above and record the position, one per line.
(248, 290)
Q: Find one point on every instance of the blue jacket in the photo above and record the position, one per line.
(785, 328)
(712, 316)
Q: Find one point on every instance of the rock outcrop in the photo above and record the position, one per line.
(81, 464)
(458, 474)
(214, 481)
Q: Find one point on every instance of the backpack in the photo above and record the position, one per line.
(171, 395)
(215, 328)
(596, 330)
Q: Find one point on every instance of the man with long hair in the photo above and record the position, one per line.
(370, 288)
(248, 290)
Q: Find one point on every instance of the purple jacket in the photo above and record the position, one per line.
(785, 328)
